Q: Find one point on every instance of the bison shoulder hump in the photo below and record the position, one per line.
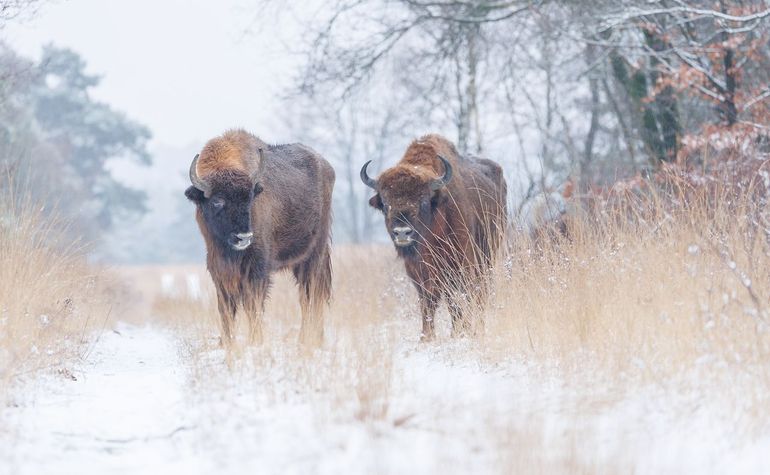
(324, 167)
(491, 169)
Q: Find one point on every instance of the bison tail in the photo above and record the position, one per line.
(314, 279)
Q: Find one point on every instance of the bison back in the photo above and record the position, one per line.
(298, 185)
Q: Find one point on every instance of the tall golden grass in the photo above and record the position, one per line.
(662, 290)
(50, 298)
(667, 287)
(360, 332)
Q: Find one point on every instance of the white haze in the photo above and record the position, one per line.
(191, 69)
(186, 69)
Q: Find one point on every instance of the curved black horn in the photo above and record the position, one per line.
(371, 183)
(196, 181)
(439, 183)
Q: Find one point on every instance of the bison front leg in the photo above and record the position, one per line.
(314, 280)
(227, 306)
(428, 303)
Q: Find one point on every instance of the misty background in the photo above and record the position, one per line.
(104, 104)
(180, 72)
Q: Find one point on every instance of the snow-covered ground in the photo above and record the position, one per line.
(143, 402)
(122, 414)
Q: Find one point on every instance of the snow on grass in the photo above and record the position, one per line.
(142, 403)
(122, 414)
(615, 354)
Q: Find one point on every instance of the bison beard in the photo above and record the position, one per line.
(262, 209)
(455, 208)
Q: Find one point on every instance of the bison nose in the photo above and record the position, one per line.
(240, 241)
(403, 231)
(402, 235)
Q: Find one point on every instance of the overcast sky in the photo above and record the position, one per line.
(187, 69)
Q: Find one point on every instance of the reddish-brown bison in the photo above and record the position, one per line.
(445, 214)
(262, 208)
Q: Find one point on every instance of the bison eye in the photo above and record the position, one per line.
(218, 203)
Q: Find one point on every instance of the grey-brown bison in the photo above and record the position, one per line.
(445, 214)
(263, 208)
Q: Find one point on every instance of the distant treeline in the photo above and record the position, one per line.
(592, 91)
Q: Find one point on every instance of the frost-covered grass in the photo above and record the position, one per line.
(50, 299)
(638, 307)
(640, 344)
(634, 347)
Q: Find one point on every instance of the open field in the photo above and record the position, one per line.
(539, 234)
(51, 300)
(646, 353)
(638, 345)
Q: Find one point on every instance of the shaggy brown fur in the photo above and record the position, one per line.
(289, 213)
(459, 226)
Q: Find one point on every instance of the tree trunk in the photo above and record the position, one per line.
(657, 119)
(729, 109)
(588, 148)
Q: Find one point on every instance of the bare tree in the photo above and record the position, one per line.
(594, 90)
(348, 134)
(13, 9)
(706, 53)
(440, 46)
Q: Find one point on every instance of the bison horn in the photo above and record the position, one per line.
(196, 181)
(368, 181)
(439, 183)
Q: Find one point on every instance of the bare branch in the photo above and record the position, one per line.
(635, 13)
(756, 100)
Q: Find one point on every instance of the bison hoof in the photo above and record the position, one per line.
(311, 339)
(427, 338)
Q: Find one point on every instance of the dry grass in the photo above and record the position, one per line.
(671, 299)
(651, 299)
(50, 298)
(360, 337)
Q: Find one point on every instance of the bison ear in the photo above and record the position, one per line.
(258, 189)
(194, 194)
(376, 202)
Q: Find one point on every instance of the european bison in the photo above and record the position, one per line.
(262, 208)
(446, 215)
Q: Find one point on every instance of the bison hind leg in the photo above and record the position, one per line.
(314, 279)
(467, 305)
(465, 320)
(227, 306)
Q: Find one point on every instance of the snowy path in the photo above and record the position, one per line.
(138, 407)
(124, 413)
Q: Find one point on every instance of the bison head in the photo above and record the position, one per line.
(225, 198)
(408, 197)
